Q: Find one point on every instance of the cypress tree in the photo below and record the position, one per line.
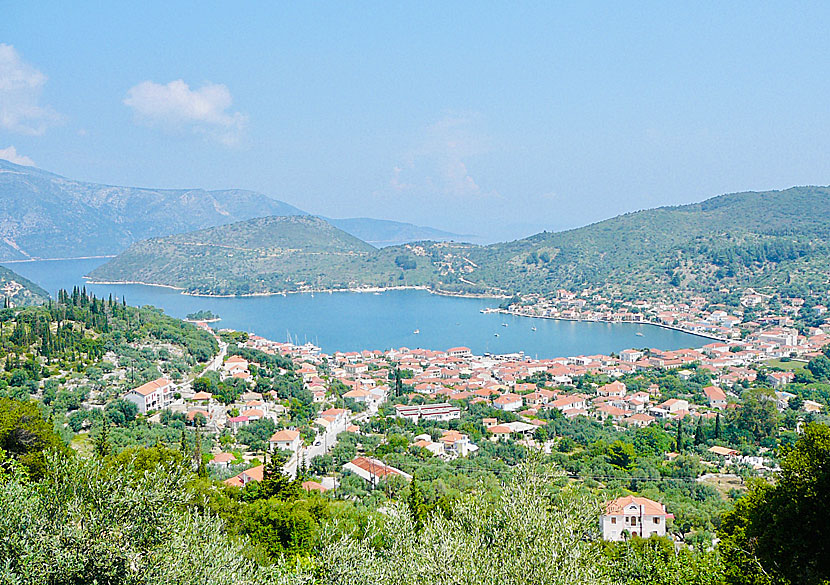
(699, 438)
(717, 427)
(101, 442)
(679, 438)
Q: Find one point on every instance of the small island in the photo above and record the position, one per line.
(203, 317)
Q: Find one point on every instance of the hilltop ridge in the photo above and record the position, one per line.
(744, 239)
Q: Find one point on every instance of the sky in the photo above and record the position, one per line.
(493, 119)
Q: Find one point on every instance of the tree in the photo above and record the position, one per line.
(758, 415)
(25, 435)
(718, 431)
(528, 534)
(202, 384)
(820, 367)
(398, 382)
(621, 454)
(198, 460)
(121, 411)
(101, 443)
(678, 440)
(417, 505)
(778, 533)
(654, 561)
(88, 521)
(276, 484)
(699, 438)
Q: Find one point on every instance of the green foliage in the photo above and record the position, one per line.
(283, 527)
(528, 533)
(737, 240)
(88, 522)
(777, 533)
(654, 561)
(26, 436)
(757, 418)
(202, 315)
(621, 454)
(820, 367)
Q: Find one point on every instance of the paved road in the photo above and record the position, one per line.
(322, 444)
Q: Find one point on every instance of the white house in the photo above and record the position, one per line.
(716, 396)
(441, 411)
(630, 355)
(285, 439)
(508, 402)
(615, 389)
(637, 516)
(373, 470)
(153, 395)
(459, 352)
(570, 402)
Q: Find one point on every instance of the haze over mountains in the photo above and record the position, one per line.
(779, 238)
(44, 215)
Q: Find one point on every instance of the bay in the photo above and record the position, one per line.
(346, 321)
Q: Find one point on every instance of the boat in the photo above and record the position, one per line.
(495, 334)
(416, 332)
(533, 328)
(504, 324)
(639, 333)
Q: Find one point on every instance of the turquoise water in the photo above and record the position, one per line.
(355, 321)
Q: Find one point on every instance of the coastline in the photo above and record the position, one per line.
(362, 290)
(654, 323)
(56, 259)
(382, 289)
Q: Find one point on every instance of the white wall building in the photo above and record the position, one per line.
(637, 516)
(285, 439)
(153, 395)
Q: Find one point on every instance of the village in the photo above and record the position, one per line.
(695, 315)
(439, 387)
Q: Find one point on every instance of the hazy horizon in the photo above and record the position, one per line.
(485, 119)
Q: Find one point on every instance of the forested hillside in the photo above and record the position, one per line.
(255, 256)
(18, 291)
(758, 239)
(776, 238)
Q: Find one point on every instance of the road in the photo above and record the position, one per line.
(322, 444)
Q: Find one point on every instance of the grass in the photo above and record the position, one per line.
(790, 366)
(82, 443)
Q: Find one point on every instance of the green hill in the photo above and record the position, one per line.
(18, 290)
(775, 238)
(260, 255)
(758, 239)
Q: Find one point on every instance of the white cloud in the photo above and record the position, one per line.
(203, 111)
(439, 162)
(20, 88)
(10, 154)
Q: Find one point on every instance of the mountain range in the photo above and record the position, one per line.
(759, 239)
(44, 215)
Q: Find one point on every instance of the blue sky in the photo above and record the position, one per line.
(498, 119)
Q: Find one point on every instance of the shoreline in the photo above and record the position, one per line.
(57, 259)
(381, 289)
(361, 290)
(654, 323)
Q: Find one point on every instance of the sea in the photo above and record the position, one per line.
(350, 321)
